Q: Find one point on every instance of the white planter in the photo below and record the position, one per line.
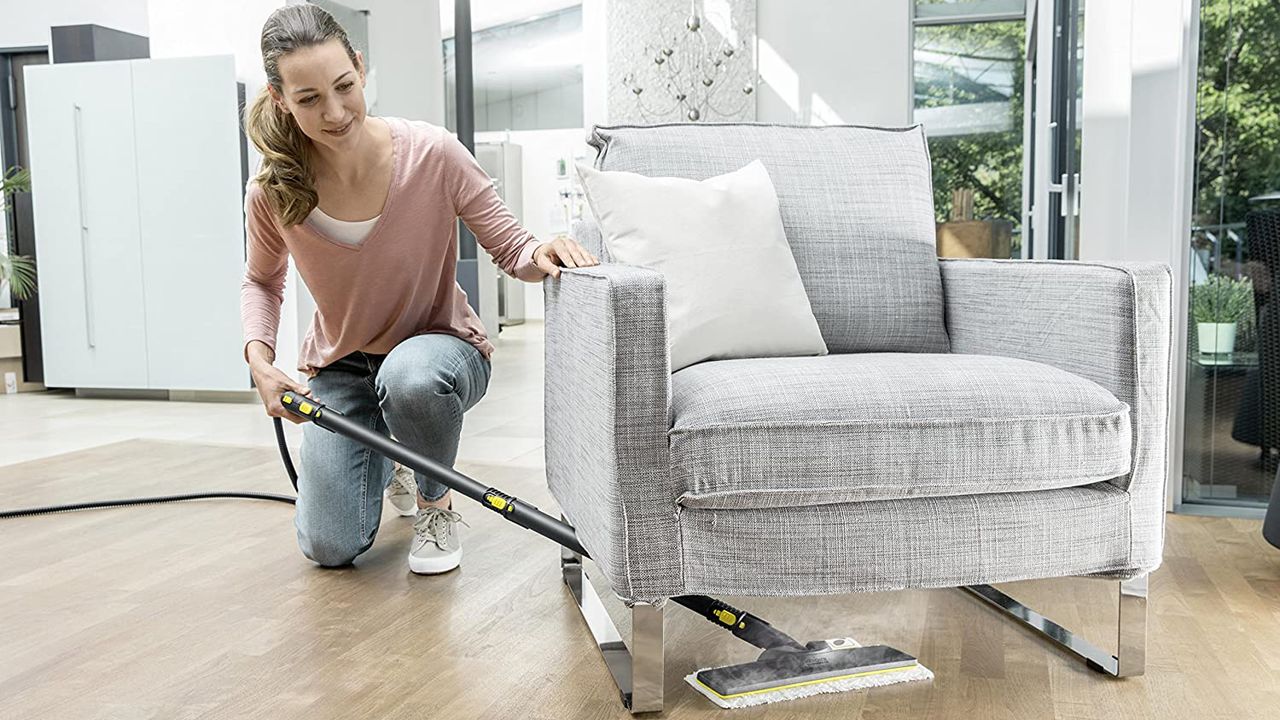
(1217, 338)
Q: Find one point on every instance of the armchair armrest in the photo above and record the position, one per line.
(588, 235)
(607, 395)
(1108, 322)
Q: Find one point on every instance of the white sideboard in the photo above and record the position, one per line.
(137, 192)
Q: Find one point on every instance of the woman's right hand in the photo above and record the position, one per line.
(272, 385)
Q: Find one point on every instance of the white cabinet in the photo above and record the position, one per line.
(85, 198)
(136, 188)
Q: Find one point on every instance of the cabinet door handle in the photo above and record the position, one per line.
(84, 229)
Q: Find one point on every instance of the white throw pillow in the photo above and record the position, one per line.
(733, 290)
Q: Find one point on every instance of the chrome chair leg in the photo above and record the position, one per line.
(1131, 632)
(638, 671)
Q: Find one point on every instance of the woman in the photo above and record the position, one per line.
(367, 208)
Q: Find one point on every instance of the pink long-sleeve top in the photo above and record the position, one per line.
(401, 281)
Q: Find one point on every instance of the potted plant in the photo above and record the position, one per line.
(17, 272)
(1217, 305)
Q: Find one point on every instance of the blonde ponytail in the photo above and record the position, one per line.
(287, 176)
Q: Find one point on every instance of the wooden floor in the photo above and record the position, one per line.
(208, 610)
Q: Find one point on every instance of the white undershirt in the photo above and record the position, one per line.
(343, 231)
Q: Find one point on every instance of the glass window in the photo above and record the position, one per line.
(526, 73)
(968, 93)
(1232, 434)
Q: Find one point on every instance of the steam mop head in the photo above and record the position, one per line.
(826, 666)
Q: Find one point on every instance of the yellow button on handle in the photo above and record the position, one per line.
(725, 616)
(300, 405)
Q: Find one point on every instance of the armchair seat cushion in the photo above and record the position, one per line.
(783, 432)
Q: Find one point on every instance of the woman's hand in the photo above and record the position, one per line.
(563, 251)
(272, 384)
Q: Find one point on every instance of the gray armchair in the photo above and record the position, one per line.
(976, 421)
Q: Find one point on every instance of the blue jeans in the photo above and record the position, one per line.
(418, 392)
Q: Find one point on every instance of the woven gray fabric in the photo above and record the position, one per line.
(911, 543)
(587, 233)
(606, 390)
(785, 432)
(610, 466)
(608, 462)
(856, 204)
(1108, 322)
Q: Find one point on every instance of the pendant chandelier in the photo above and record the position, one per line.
(685, 73)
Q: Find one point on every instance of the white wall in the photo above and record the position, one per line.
(404, 38)
(834, 62)
(595, 50)
(24, 23)
(1105, 108)
(180, 28)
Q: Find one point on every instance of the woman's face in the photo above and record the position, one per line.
(325, 93)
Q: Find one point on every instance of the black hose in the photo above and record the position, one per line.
(50, 509)
(284, 454)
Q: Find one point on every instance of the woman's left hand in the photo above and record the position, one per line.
(563, 251)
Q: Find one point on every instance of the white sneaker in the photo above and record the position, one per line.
(402, 491)
(436, 547)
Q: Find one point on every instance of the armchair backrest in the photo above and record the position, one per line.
(856, 204)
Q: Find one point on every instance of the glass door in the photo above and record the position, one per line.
(1231, 440)
(1062, 229)
(969, 92)
(997, 85)
(1055, 51)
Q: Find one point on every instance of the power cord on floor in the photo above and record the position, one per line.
(284, 455)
